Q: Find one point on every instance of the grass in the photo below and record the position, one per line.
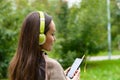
(101, 70)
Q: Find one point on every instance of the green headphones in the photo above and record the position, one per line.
(42, 37)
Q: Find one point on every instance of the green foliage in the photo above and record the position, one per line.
(7, 35)
(83, 29)
(115, 22)
(104, 53)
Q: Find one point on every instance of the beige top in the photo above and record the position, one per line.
(54, 70)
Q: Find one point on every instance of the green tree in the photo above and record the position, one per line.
(115, 22)
(85, 29)
(7, 35)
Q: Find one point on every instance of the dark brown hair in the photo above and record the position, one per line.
(28, 62)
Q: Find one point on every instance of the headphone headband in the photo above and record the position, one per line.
(42, 22)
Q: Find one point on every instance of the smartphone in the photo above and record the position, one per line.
(74, 67)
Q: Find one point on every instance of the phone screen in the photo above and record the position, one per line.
(74, 67)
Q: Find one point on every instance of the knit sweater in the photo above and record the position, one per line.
(54, 70)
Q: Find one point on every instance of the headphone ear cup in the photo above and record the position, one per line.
(42, 39)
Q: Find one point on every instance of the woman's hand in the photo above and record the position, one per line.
(76, 75)
(67, 70)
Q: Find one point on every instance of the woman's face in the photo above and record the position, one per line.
(50, 37)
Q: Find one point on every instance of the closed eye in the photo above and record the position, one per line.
(53, 34)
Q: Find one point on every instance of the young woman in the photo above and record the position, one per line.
(30, 61)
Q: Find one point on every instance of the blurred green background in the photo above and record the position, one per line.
(81, 29)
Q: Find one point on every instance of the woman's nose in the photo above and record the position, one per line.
(54, 38)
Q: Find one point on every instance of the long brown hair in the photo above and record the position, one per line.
(28, 62)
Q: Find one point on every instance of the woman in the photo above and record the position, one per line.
(30, 61)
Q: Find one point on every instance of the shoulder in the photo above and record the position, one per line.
(52, 63)
(54, 69)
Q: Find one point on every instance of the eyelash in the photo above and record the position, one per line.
(53, 34)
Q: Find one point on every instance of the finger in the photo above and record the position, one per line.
(67, 70)
(77, 75)
(77, 71)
